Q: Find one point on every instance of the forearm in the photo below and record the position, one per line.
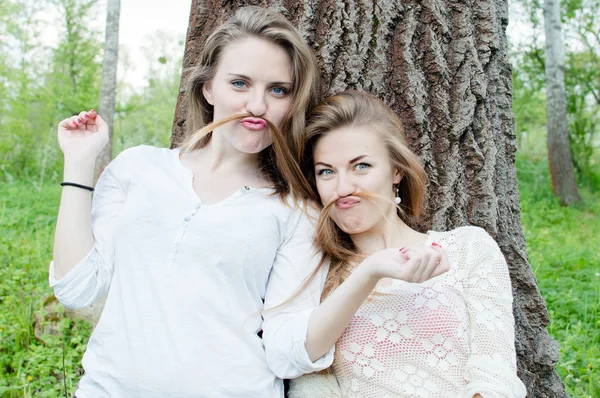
(73, 238)
(328, 321)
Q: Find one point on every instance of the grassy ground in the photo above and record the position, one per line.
(32, 366)
(40, 350)
(564, 251)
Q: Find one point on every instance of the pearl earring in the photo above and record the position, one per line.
(398, 199)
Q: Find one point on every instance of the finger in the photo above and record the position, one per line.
(429, 268)
(76, 121)
(416, 260)
(91, 120)
(86, 120)
(91, 117)
(421, 270)
(83, 116)
(67, 124)
(99, 122)
(443, 265)
(403, 253)
(407, 270)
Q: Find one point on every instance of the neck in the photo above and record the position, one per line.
(390, 233)
(219, 156)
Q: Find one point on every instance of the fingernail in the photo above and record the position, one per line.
(79, 120)
(436, 245)
(86, 115)
(74, 123)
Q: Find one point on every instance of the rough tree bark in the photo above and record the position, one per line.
(442, 65)
(106, 109)
(557, 139)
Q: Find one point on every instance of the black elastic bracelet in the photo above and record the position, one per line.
(72, 184)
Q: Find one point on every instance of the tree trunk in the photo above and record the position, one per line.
(559, 154)
(108, 90)
(106, 109)
(442, 65)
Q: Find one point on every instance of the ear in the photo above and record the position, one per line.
(398, 176)
(207, 91)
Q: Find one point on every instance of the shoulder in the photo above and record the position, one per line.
(300, 218)
(469, 245)
(141, 157)
(138, 154)
(143, 152)
(466, 236)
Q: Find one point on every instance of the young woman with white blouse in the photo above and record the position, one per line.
(450, 336)
(189, 242)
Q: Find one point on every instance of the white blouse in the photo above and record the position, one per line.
(452, 336)
(186, 283)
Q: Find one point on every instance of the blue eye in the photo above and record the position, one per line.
(362, 166)
(238, 83)
(280, 91)
(325, 172)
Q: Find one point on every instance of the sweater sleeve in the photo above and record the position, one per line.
(285, 327)
(90, 279)
(491, 368)
(315, 385)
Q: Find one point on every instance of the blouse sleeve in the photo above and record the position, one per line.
(315, 385)
(90, 279)
(285, 327)
(491, 368)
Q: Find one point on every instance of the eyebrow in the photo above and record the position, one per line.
(248, 78)
(356, 159)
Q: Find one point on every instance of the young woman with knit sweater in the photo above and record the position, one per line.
(450, 336)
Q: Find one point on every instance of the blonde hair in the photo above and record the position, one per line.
(356, 109)
(273, 27)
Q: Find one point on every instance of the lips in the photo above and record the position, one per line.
(346, 203)
(254, 123)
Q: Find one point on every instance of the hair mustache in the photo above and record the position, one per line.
(375, 198)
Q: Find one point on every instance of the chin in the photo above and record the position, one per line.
(352, 225)
(254, 143)
(251, 146)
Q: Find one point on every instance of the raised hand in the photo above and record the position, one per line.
(82, 137)
(415, 264)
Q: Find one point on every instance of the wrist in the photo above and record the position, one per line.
(80, 171)
(366, 274)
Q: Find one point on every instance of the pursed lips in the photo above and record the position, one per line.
(346, 203)
(252, 123)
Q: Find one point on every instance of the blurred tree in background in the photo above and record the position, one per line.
(581, 31)
(41, 84)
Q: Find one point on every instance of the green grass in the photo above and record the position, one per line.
(30, 365)
(563, 246)
(564, 251)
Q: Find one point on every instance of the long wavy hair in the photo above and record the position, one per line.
(273, 27)
(356, 109)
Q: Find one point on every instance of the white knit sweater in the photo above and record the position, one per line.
(452, 336)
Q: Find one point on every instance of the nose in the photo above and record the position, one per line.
(345, 186)
(256, 105)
